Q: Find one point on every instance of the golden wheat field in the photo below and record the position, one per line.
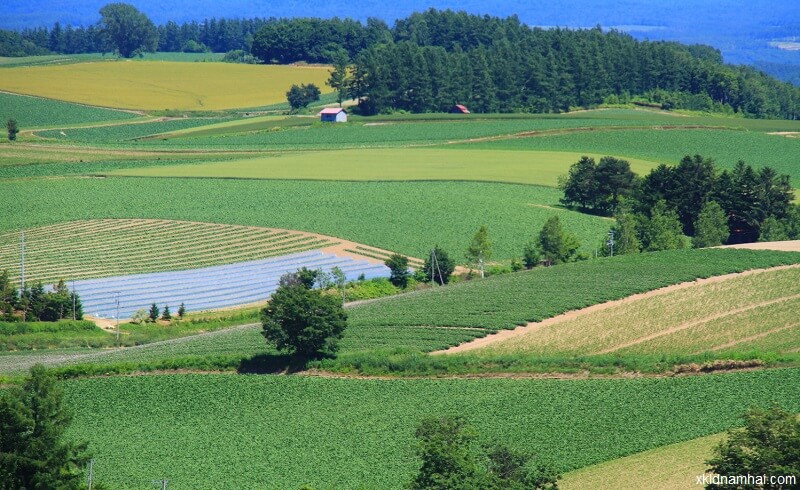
(159, 85)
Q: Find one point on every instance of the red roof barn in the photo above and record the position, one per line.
(333, 114)
(459, 109)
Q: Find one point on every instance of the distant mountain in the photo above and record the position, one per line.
(741, 29)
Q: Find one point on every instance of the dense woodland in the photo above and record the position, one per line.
(432, 60)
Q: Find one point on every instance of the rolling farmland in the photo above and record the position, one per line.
(422, 213)
(743, 313)
(170, 85)
(210, 209)
(537, 168)
(259, 431)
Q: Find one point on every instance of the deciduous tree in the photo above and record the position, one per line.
(128, 29)
(555, 244)
(303, 321)
(711, 228)
(480, 249)
(769, 444)
(12, 128)
(398, 267)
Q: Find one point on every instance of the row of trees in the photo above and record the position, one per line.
(693, 198)
(431, 60)
(37, 304)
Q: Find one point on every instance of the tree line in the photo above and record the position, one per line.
(35, 303)
(692, 199)
(434, 59)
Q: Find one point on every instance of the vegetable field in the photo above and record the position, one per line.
(509, 300)
(31, 112)
(283, 432)
(423, 214)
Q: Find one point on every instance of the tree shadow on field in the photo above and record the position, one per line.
(271, 364)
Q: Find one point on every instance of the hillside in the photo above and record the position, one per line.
(743, 35)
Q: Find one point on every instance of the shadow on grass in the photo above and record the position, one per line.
(271, 364)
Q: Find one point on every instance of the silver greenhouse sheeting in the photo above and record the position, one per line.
(210, 287)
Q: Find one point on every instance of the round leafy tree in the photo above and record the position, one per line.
(302, 321)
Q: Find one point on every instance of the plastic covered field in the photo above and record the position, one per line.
(210, 287)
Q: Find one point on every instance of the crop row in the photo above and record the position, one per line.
(286, 431)
(505, 301)
(422, 214)
(125, 132)
(114, 247)
(687, 321)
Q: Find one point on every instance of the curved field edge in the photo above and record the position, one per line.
(407, 217)
(117, 247)
(670, 467)
(661, 314)
(285, 431)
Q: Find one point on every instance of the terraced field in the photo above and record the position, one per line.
(754, 312)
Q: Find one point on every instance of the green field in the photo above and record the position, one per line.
(668, 146)
(743, 313)
(533, 167)
(35, 112)
(283, 432)
(422, 213)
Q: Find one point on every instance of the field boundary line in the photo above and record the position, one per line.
(569, 315)
(694, 323)
(751, 338)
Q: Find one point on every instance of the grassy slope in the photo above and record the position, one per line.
(672, 467)
(407, 217)
(694, 320)
(282, 432)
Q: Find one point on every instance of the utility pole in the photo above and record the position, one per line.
(610, 241)
(162, 482)
(117, 293)
(74, 301)
(91, 472)
(22, 266)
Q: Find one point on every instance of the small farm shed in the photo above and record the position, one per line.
(459, 109)
(333, 114)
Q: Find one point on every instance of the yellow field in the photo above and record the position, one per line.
(665, 468)
(158, 85)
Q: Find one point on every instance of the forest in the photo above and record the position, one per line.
(432, 60)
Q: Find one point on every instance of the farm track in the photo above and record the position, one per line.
(503, 335)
